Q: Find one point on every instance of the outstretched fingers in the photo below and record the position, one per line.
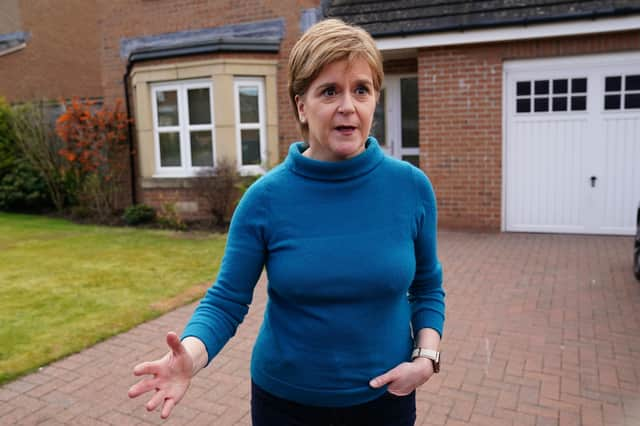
(143, 386)
(169, 403)
(143, 368)
(156, 400)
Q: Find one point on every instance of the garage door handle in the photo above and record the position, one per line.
(593, 181)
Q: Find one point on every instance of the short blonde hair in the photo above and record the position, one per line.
(326, 42)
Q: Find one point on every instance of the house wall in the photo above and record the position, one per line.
(62, 55)
(122, 19)
(461, 119)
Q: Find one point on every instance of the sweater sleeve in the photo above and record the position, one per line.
(426, 295)
(227, 301)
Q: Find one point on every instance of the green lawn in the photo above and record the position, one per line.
(65, 286)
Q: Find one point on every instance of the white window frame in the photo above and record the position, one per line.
(184, 128)
(239, 82)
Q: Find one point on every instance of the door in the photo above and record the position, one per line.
(396, 119)
(572, 144)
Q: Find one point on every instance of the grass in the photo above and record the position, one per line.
(64, 287)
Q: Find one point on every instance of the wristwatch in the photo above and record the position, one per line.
(434, 356)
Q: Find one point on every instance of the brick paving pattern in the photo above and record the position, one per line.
(541, 330)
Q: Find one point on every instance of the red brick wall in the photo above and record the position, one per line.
(461, 119)
(62, 57)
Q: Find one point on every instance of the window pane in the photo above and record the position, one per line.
(579, 85)
(632, 82)
(170, 150)
(523, 105)
(560, 86)
(379, 127)
(542, 87)
(167, 105)
(612, 102)
(412, 159)
(632, 101)
(249, 112)
(201, 149)
(250, 147)
(199, 106)
(409, 99)
(523, 88)
(541, 104)
(613, 84)
(578, 103)
(560, 104)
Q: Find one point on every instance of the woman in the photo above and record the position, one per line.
(348, 239)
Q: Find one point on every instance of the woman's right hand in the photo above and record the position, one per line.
(170, 377)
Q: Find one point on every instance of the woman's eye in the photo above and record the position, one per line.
(329, 91)
(362, 90)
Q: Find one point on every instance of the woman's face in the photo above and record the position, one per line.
(338, 108)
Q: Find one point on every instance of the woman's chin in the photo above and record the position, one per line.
(347, 149)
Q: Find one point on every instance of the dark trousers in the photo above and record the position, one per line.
(388, 410)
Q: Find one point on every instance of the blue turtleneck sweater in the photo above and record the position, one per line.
(350, 253)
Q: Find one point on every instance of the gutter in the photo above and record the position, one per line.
(132, 162)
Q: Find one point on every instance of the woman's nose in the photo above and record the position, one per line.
(346, 104)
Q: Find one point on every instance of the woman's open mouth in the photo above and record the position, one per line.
(346, 130)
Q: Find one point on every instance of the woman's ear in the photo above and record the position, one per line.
(300, 107)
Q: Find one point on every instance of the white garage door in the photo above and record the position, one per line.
(572, 144)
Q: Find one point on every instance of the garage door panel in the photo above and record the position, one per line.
(543, 153)
(621, 147)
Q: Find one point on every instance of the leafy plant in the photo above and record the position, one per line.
(221, 187)
(95, 149)
(139, 214)
(168, 217)
(36, 142)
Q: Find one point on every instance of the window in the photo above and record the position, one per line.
(622, 92)
(556, 95)
(250, 124)
(183, 127)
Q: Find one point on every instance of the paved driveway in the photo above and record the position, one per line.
(541, 330)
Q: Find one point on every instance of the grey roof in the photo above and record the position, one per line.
(261, 36)
(404, 17)
(7, 41)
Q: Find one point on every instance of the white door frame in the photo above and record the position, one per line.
(393, 117)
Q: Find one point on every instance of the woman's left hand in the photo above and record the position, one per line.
(405, 378)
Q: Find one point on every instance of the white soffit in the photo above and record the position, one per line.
(521, 32)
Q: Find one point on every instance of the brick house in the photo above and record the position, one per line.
(39, 45)
(525, 115)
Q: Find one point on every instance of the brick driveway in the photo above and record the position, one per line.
(541, 330)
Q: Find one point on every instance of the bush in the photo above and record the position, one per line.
(139, 214)
(21, 187)
(168, 217)
(95, 149)
(222, 188)
(36, 142)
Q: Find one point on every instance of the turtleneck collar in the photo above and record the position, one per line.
(334, 170)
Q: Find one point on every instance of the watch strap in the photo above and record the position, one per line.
(431, 354)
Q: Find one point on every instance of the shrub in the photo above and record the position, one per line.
(21, 187)
(95, 149)
(168, 217)
(36, 142)
(222, 187)
(139, 214)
